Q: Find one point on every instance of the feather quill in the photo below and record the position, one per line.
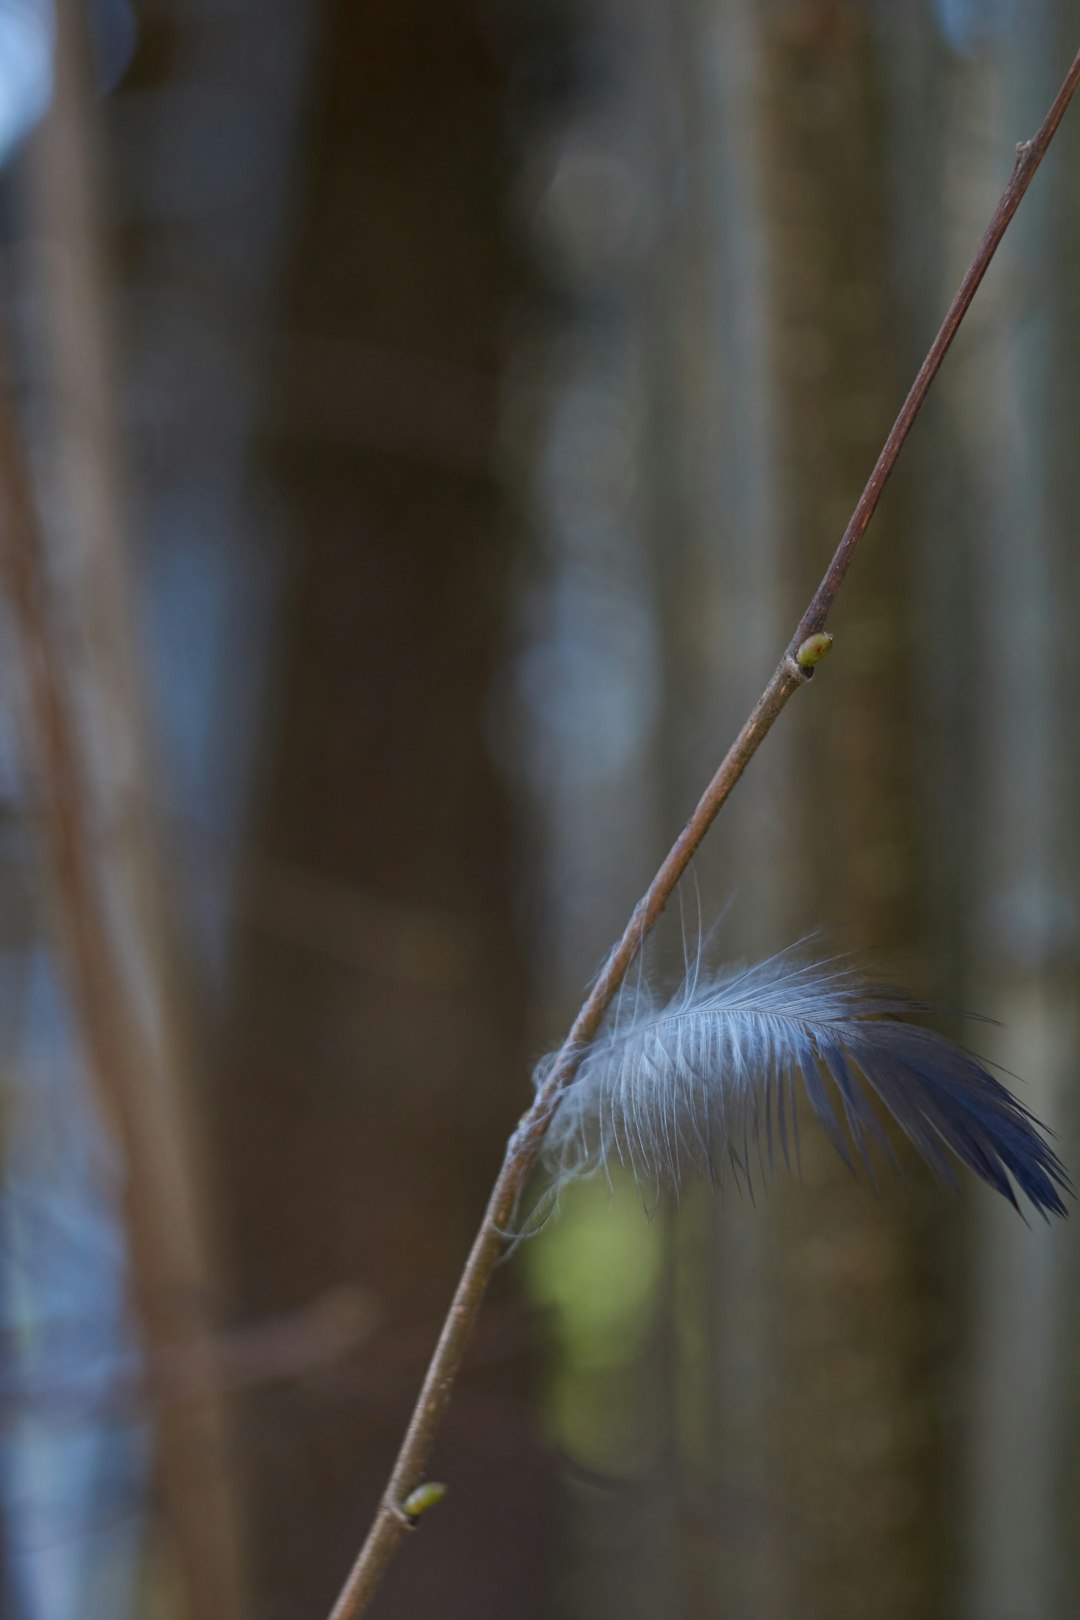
(711, 1077)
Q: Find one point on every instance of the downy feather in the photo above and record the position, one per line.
(710, 1078)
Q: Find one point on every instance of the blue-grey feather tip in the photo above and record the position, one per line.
(711, 1075)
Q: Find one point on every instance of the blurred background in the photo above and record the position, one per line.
(421, 427)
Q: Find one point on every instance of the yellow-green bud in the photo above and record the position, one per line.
(813, 650)
(425, 1496)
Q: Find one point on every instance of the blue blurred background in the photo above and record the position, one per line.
(438, 417)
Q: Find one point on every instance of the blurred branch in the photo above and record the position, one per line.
(353, 927)
(165, 1277)
(85, 743)
(794, 669)
(367, 398)
(282, 1348)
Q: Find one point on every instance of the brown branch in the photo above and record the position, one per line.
(269, 1352)
(165, 1273)
(110, 905)
(391, 1523)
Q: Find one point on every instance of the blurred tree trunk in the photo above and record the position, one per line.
(1009, 406)
(123, 964)
(856, 1453)
(372, 1070)
(727, 601)
(810, 1460)
(794, 1458)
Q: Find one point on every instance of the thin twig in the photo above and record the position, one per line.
(391, 1523)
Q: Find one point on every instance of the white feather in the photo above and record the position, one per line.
(708, 1075)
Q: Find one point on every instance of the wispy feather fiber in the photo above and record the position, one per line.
(712, 1076)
